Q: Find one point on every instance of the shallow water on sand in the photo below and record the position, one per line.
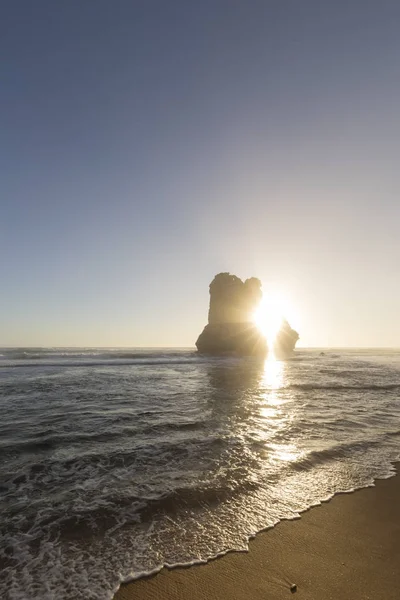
(115, 462)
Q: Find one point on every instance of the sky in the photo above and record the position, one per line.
(147, 145)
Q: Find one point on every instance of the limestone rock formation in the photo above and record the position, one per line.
(231, 328)
(285, 340)
(231, 300)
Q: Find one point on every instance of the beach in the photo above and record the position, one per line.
(348, 547)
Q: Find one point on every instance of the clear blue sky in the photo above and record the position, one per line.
(146, 146)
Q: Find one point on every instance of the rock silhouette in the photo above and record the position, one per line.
(231, 328)
(231, 300)
(285, 340)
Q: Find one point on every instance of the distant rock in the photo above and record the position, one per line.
(231, 328)
(285, 340)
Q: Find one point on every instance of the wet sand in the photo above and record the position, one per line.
(347, 548)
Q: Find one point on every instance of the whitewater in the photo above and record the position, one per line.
(115, 462)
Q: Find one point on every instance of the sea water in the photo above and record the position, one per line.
(116, 462)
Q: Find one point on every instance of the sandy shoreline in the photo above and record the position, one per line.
(348, 547)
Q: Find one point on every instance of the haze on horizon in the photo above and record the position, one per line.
(147, 146)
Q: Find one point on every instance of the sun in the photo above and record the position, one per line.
(269, 316)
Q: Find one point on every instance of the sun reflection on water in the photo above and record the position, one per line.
(275, 412)
(273, 378)
(287, 452)
(268, 412)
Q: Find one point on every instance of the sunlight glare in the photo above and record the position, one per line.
(269, 316)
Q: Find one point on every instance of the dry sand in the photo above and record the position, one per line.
(348, 548)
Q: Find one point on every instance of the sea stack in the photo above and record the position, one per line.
(231, 328)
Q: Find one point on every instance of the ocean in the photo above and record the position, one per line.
(115, 462)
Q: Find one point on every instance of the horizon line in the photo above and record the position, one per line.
(194, 347)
